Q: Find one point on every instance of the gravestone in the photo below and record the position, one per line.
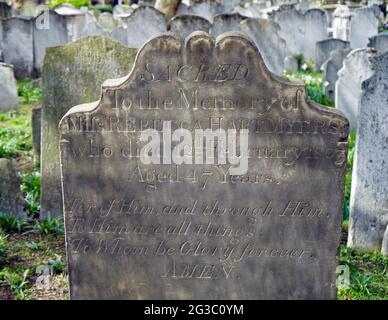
(290, 64)
(368, 218)
(324, 48)
(330, 70)
(36, 116)
(5, 10)
(183, 25)
(76, 19)
(384, 246)
(8, 91)
(356, 68)
(379, 42)
(363, 25)
(54, 34)
(106, 21)
(18, 45)
(302, 31)
(226, 22)
(143, 24)
(341, 22)
(72, 74)
(266, 227)
(11, 200)
(265, 34)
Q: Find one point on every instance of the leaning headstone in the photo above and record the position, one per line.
(369, 196)
(36, 116)
(363, 25)
(226, 22)
(18, 45)
(72, 74)
(379, 42)
(341, 23)
(11, 199)
(324, 48)
(143, 24)
(265, 34)
(265, 225)
(356, 68)
(302, 31)
(50, 35)
(8, 91)
(183, 25)
(330, 70)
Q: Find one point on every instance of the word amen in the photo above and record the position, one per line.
(183, 153)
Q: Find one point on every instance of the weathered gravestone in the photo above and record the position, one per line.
(330, 70)
(143, 24)
(11, 200)
(226, 22)
(356, 68)
(369, 195)
(263, 227)
(18, 45)
(301, 31)
(363, 25)
(184, 25)
(341, 22)
(36, 116)
(324, 48)
(8, 91)
(72, 74)
(379, 42)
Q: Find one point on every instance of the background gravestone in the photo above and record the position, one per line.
(325, 47)
(195, 231)
(11, 200)
(72, 74)
(225, 23)
(356, 68)
(369, 196)
(183, 25)
(379, 42)
(143, 24)
(363, 25)
(18, 45)
(8, 90)
(331, 68)
(36, 116)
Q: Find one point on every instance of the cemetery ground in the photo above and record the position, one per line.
(29, 245)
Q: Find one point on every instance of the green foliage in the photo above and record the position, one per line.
(12, 223)
(56, 265)
(3, 247)
(30, 185)
(27, 92)
(299, 58)
(50, 225)
(75, 3)
(16, 280)
(349, 169)
(314, 85)
(33, 245)
(14, 140)
(368, 275)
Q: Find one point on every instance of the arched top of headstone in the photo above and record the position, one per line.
(380, 67)
(228, 63)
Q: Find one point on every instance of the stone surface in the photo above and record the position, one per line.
(363, 25)
(225, 23)
(143, 24)
(369, 196)
(290, 64)
(379, 42)
(341, 23)
(184, 25)
(36, 117)
(356, 68)
(5, 10)
(324, 48)
(384, 246)
(195, 231)
(302, 31)
(54, 35)
(265, 34)
(209, 9)
(330, 70)
(72, 74)
(18, 45)
(11, 200)
(8, 91)
(106, 21)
